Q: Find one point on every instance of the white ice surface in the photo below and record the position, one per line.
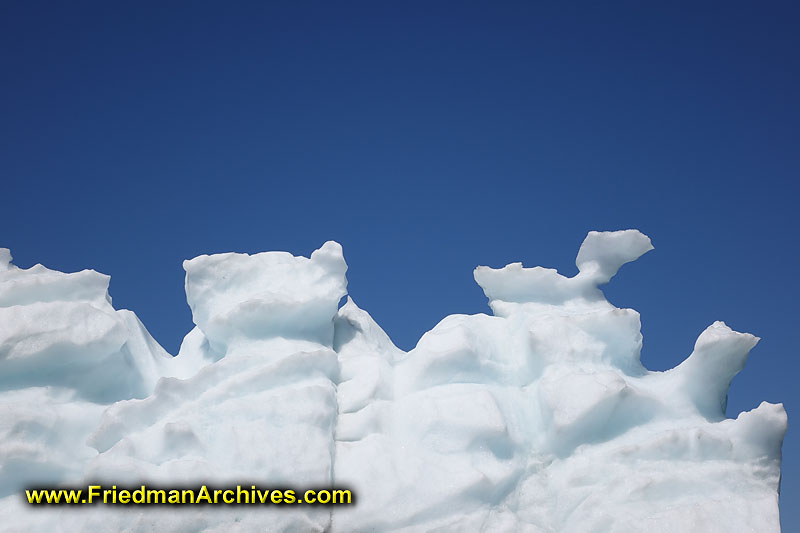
(540, 418)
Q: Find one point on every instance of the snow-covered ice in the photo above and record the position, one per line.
(539, 418)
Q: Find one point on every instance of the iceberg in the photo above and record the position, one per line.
(538, 418)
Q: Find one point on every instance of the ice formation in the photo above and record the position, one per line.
(540, 418)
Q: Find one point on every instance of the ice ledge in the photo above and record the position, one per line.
(600, 257)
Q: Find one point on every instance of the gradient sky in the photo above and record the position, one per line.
(427, 138)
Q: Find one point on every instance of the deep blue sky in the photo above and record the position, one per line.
(427, 138)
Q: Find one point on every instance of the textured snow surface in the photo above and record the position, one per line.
(539, 418)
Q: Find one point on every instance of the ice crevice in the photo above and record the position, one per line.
(540, 417)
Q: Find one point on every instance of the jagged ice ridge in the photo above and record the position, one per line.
(539, 418)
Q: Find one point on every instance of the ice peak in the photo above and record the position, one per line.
(236, 297)
(719, 354)
(356, 332)
(5, 259)
(603, 253)
(544, 289)
(331, 255)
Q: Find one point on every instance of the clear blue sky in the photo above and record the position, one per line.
(427, 138)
